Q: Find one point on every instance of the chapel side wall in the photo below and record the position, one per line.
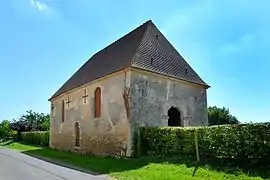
(108, 134)
(152, 95)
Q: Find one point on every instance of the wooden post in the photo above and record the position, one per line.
(196, 145)
(138, 143)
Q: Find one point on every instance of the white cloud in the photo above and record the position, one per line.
(39, 5)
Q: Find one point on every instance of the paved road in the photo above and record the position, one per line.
(17, 166)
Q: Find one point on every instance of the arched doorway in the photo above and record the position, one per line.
(77, 134)
(174, 117)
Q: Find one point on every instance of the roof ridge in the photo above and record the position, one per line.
(161, 51)
(122, 37)
(182, 58)
(147, 23)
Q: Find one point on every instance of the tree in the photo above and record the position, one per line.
(5, 131)
(37, 121)
(218, 116)
(32, 121)
(44, 125)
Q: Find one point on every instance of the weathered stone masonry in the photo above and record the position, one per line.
(152, 96)
(108, 134)
(129, 99)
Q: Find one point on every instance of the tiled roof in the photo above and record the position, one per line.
(146, 48)
(155, 53)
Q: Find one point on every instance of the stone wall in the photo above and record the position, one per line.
(137, 97)
(152, 95)
(108, 134)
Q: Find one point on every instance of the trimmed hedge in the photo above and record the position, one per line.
(242, 141)
(165, 140)
(36, 137)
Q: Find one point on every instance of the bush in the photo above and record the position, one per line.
(242, 141)
(14, 135)
(164, 140)
(36, 137)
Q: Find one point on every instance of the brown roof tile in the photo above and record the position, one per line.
(145, 47)
(157, 54)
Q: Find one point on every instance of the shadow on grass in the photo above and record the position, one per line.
(87, 163)
(229, 166)
(237, 167)
(105, 165)
(61, 163)
(195, 169)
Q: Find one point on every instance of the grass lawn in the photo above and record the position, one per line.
(136, 169)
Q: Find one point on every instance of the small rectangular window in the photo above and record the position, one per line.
(63, 111)
(53, 110)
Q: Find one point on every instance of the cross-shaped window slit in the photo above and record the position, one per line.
(68, 101)
(85, 96)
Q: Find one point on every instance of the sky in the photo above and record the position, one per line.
(227, 42)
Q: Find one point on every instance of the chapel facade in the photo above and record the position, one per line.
(139, 80)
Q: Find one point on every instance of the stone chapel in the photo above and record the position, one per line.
(138, 80)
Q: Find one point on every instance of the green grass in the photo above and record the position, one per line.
(20, 146)
(135, 169)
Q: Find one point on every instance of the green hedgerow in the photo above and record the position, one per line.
(36, 137)
(241, 141)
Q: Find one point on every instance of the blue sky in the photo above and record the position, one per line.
(42, 43)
